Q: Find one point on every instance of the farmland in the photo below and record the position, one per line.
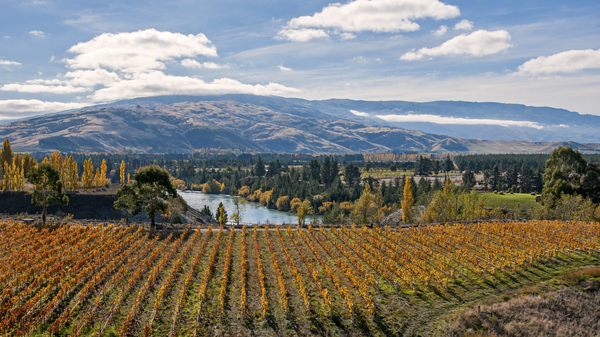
(105, 280)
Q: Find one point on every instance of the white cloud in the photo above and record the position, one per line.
(282, 68)
(347, 36)
(37, 33)
(388, 16)
(157, 83)
(9, 63)
(189, 63)
(564, 62)
(39, 86)
(478, 43)
(301, 35)
(457, 120)
(358, 113)
(74, 82)
(441, 31)
(21, 107)
(126, 65)
(464, 25)
(91, 78)
(138, 51)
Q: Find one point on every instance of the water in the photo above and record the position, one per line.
(254, 213)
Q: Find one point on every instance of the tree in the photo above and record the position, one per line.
(206, 211)
(303, 210)
(176, 206)
(563, 172)
(407, 202)
(239, 206)
(6, 156)
(468, 181)
(259, 167)
(154, 186)
(448, 164)
(48, 188)
(221, 215)
(122, 172)
(87, 178)
(127, 199)
(103, 173)
(364, 207)
(351, 174)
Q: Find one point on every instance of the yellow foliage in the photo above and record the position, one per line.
(325, 207)
(347, 207)
(283, 203)
(265, 197)
(294, 204)
(212, 187)
(244, 191)
(407, 202)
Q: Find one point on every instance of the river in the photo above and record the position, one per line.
(254, 212)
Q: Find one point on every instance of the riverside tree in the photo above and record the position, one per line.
(154, 187)
(48, 188)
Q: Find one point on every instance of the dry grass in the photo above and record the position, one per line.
(569, 311)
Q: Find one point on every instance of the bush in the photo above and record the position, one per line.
(178, 219)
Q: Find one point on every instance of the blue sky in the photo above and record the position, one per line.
(58, 55)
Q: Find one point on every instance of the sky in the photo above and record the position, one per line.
(60, 55)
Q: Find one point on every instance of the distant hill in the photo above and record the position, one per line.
(244, 123)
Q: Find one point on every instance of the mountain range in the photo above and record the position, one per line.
(276, 124)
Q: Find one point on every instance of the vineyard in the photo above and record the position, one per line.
(80, 280)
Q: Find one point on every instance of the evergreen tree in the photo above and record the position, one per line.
(468, 181)
(259, 167)
(448, 164)
(525, 180)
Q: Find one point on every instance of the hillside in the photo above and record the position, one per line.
(245, 123)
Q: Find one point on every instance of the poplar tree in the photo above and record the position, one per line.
(97, 178)
(103, 173)
(407, 202)
(87, 177)
(122, 172)
(6, 155)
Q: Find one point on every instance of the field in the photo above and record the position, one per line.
(82, 280)
(510, 201)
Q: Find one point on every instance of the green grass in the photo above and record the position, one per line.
(510, 201)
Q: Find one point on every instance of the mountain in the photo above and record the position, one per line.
(501, 121)
(244, 123)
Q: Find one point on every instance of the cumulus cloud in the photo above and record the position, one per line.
(127, 65)
(381, 16)
(9, 63)
(347, 36)
(301, 35)
(189, 63)
(282, 68)
(564, 62)
(22, 107)
(157, 83)
(138, 51)
(441, 31)
(358, 113)
(457, 120)
(37, 33)
(464, 25)
(478, 43)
